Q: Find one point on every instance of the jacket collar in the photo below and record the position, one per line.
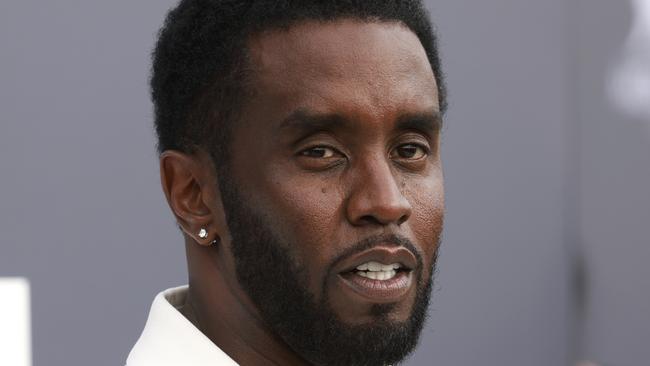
(169, 339)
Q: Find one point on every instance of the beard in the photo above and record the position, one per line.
(277, 285)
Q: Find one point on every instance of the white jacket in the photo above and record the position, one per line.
(169, 339)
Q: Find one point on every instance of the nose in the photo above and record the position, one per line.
(376, 198)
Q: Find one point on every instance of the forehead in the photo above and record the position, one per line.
(345, 66)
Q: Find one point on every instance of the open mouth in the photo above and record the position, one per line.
(379, 275)
(378, 271)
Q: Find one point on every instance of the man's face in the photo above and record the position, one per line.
(335, 167)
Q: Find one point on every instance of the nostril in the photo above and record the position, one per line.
(376, 220)
(402, 219)
(370, 219)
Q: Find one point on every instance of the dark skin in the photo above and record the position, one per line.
(340, 141)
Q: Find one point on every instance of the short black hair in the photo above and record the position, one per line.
(199, 62)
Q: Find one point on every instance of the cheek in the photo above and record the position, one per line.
(428, 207)
(306, 213)
(307, 208)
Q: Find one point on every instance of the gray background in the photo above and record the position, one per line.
(546, 243)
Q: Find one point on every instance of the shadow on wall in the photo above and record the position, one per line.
(628, 83)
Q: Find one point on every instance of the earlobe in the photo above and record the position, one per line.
(185, 180)
(204, 235)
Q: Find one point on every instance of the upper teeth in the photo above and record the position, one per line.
(378, 267)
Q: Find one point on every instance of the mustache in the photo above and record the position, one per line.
(392, 240)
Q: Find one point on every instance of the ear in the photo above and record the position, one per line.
(190, 186)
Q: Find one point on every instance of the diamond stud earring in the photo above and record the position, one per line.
(203, 233)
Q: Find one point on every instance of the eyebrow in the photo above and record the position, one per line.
(429, 122)
(303, 119)
(426, 122)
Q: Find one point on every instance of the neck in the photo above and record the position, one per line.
(222, 311)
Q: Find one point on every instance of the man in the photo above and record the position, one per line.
(300, 156)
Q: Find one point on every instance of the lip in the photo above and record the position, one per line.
(381, 253)
(378, 291)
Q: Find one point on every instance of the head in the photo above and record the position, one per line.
(305, 139)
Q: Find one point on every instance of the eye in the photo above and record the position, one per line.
(320, 158)
(319, 152)
(410, 152)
